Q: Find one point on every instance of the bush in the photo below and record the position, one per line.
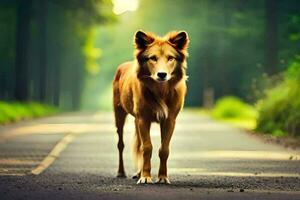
(16, 111)
(279, 111)
(232, 107)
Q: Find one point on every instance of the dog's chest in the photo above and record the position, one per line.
(157, 107)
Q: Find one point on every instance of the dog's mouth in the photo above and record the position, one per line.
(161, 79)
(156, 79)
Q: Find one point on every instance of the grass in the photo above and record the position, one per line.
(16, 111)
(279, 110)
(248, 124)
(233, 111)
(277, 113)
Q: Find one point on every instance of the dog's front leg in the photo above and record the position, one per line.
(166, 128)
(144, 131)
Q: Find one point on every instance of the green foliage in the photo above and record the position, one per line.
(64, 37)
(233, 108)
(51, 44)
(89, 12)
(279, 111)
(92, 54)
(16, 111)
(293, 72)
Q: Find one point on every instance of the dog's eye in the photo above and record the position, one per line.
(153, 58)
(170, 58)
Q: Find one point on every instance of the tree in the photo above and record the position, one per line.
(43, 68)
(50, 36)
(23, 32)
(271, 47)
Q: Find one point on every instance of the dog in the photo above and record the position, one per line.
(151, 88)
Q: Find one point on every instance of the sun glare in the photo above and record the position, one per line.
(121, 6)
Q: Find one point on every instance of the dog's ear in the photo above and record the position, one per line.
(179, 39)
(142, 39)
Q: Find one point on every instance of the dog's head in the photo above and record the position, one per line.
(161, 58)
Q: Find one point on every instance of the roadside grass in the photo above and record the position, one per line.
(277, 113)
(248, 124)
(279, 110)
(16, 111)
(234, 111)
(231, 110)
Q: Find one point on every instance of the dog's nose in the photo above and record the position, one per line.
(162, 75)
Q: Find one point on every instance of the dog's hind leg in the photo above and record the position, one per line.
(120, 116)
(137, 152)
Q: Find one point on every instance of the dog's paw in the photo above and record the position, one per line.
(136, 175)
(121, 175)
(163, 180)
(145, 180)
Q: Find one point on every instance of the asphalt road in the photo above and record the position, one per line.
(74, 156)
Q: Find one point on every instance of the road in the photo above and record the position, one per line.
(74, 156)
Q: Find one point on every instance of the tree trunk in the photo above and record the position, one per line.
(208, 90)
(42, 23)
(271, 51)
(23, 33)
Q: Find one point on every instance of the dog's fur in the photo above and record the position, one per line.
(152, 89)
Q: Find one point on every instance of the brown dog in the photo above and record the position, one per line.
(152, 89)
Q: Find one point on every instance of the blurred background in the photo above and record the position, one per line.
(62, 54)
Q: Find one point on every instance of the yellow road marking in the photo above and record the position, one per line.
(41, 129)
(12, 174)
(17, 162)
(63, 143)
